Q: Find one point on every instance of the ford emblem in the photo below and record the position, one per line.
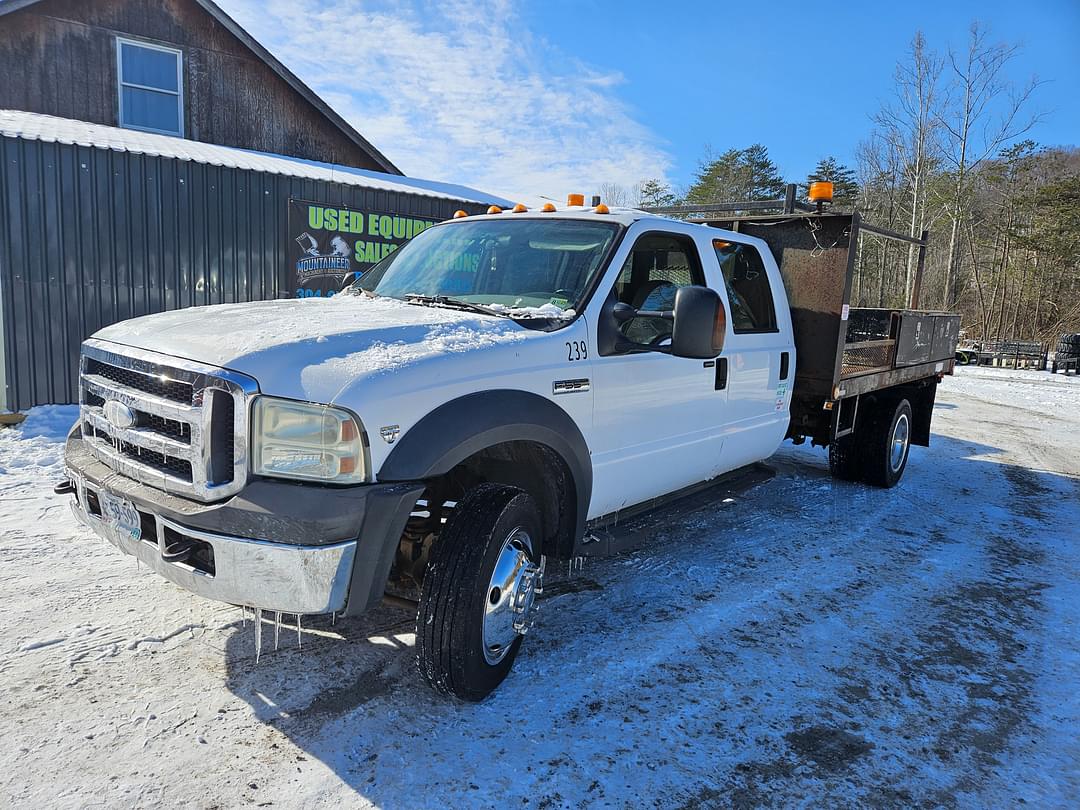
(118, 414)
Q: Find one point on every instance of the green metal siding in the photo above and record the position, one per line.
(91, 236)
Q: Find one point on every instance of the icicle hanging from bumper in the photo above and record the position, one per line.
(258, 634)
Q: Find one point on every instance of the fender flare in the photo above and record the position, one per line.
(464, 426)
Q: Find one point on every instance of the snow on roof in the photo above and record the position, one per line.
(47, 128)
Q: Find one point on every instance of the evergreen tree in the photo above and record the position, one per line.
(737, 175)
(656, 193)
(763, 180)
(845, 187)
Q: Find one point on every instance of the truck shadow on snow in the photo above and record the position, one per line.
(696, 669)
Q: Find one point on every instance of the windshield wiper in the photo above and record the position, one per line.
(453, 303)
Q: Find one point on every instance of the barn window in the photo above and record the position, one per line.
(150, 87)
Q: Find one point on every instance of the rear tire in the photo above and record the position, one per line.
(466, 641)
(885, 444)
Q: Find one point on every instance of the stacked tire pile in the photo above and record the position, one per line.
(1068, 347)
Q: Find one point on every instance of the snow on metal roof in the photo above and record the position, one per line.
(37, 127)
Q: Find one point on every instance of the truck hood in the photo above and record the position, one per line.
(312, 348)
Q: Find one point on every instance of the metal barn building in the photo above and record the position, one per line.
(100, 224)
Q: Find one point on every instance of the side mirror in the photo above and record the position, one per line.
(699, 323)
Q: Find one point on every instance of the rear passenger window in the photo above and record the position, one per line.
(656, 268)
(747, 286)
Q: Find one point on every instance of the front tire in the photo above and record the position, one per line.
(477, 598)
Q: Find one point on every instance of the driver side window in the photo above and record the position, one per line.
(657, 266)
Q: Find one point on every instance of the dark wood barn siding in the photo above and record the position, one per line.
(58, 57)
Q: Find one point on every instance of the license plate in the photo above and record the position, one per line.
(120, 514)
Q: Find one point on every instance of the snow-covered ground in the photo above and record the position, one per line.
(810, 643)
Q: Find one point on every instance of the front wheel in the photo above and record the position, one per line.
(478, 597)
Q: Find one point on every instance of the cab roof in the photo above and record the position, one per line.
(622, 216)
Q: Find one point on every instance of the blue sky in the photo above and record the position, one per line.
(548, 97)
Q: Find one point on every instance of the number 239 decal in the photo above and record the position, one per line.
(577, 350)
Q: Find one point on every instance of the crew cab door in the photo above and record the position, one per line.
(656, 418)
(760, 351)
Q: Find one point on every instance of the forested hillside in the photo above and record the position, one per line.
(949, 152)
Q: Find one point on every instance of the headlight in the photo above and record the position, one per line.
(312, 442)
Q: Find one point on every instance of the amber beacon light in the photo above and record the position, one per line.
(575, 199)
(820, 192)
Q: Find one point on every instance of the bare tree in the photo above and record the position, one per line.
(618, 195)
(909, 125)
(880, 191)
(983, 112)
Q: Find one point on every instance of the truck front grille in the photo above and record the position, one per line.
(170, 423)
(178, 467)
(170, 389)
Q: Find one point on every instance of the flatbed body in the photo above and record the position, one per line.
(844, 352)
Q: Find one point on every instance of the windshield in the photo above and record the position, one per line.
(506, 264)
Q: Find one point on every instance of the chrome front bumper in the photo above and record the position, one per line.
(254, 573)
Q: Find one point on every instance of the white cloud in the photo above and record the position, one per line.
(460, 91)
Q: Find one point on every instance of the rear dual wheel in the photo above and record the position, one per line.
(876, 453)
(478, 596)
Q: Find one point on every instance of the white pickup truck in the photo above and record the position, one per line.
(491, 395)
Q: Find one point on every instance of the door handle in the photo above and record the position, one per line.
(721, 374)
(784, 361)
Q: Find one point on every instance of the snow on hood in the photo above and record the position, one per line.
(320, 343)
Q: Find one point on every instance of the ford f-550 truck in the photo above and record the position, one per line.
(490, 396)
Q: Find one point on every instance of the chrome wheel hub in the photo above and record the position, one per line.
(899, 445)
(510, 601)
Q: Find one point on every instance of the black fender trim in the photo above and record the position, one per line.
(387, 510)
(464, 426)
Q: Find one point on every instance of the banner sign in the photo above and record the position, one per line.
(330, 246)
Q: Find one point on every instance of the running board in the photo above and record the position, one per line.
(635, 526)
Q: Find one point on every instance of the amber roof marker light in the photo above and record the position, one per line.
(494, 209)
(459, 214)
(520, 208)
(548, 208)
(601, 209)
